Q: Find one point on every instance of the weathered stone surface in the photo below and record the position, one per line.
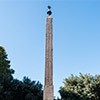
(48, 84)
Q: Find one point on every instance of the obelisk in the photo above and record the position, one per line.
(48, 83)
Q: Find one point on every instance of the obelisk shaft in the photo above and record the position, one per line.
(48, 84)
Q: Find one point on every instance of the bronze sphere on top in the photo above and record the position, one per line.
(49, 11)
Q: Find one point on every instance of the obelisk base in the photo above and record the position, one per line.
(48, 93)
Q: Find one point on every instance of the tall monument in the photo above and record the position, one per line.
(48, 83)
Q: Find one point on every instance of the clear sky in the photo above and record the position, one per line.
(76, 37)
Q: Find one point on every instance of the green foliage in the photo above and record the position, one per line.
(83, 87)
(14, 89)
(5, 69)
(32, 89)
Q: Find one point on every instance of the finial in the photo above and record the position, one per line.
(49, 10)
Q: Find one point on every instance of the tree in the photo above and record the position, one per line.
(32, 89)
(83, 87)
(5, 69)
(14, 89)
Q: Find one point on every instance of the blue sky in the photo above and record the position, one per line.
(76, 37)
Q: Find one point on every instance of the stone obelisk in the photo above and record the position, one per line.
(48, 83)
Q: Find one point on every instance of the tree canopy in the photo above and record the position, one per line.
(5, 69)
(14, 89)
(83, 87)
